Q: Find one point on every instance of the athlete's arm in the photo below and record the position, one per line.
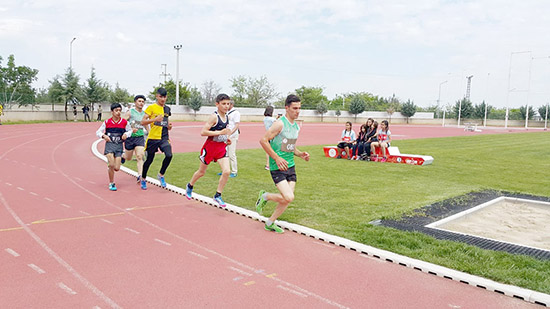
(100, 133)
(302, 154)
(273, 131)
(126, 115)
(128, 132)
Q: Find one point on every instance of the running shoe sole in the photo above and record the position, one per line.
(260, 202)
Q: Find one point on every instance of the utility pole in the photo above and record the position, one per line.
(466, 97)
(164, 73)
(177, 48)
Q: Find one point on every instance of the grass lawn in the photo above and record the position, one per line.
(340, 197)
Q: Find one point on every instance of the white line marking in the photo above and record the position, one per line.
(292, 291)
(198, 255)
(33, 166)
(130, 230)
(66, 288)
(12, 252)
(325, 244)
(15, 161)
(65, 205)
(9, 184)
(77, 178)
(19, 188)
(84, 213)
(107, 221)
(37, 269)
(240, 271)
(42, 168)
(163, 242)
(372, 258)
(53, 172)
(48, 199)
(33, 193)
(93, 183)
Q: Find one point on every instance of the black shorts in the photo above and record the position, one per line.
(113, 148)
(133, 142)
(344, 145)
(288, 175)
(154, 144)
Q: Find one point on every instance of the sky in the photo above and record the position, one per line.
(419, 50)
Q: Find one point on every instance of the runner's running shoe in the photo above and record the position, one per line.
(138, 178)
(219, 200)
(189, 193)
(112, 186)
(260, 203)
(274, 228)
(143, 184)
(162, 182)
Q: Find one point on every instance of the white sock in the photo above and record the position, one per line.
(264, 196)
(268, 222)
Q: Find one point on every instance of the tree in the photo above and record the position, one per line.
(408, 109)
(120, 95)
(256, 92)
(479, 110)
(531, 112)
(542, 111)
(15, 84)
(322, 108)
(337, 113)
(72, 92)
(95, 90)
(209, 92)
(195, 101)
(356, 105)
(371, 101)
(466, 108)
(55, 91)
(392, 105)
(311, 96)
(170, 87)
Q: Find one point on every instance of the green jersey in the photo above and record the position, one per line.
(284, 143)
(135, 121)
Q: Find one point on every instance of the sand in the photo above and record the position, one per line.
(511, 221)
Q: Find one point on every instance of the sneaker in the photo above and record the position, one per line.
(384, 159)
(266, 167)
(220, 173)
(138, 179)
(219, 200)
(112, 186)
(232, 175)
(143, 184)
(189, 193)
(260, 203)
(274, 228)
(162, 182)
(122, 160)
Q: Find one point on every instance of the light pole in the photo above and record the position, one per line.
(508, 92)
(486, 93)
(439, 95)
(529, 88)
(177, 48)
(71, 54)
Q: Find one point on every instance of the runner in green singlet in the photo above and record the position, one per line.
(136, 143)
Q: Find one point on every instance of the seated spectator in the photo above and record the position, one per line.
(359, 143)
(348, 136)
(371, 136)
(384, 140)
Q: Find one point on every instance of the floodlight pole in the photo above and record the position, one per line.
(177, 48)
(508, 89)
(546, 117)
(71, 54)
(529, 88)
(486, 92)
(439, 95)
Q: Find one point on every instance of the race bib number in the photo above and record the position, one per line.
(163, 123)
(347, 138)
(115, 138)
(136, 124)
(220, 138)
(288, 144)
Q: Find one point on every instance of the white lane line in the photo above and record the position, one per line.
(53, 172)
(84, 213)
(372, 258)
(107, 221)
(292, 291)
(130, 230)
(65, 205)
(15, 161)
(19, 188)
(93, 183)
(77, 178)
(12, 252)
(324, 244)
(240, 271)
(198, 255)
(32, 193)
(65, 288)
(37, 269)
(33, 166)
(42, 168)
(9, 184)
(48, 199)
(163, 242)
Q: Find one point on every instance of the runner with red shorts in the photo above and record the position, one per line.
(214, 149)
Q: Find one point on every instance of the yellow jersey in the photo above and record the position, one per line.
(159, 129)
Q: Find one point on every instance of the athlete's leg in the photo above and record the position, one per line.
(117, 164)
(285, 197)
(111, 166)
(150, 157)
(139, 150)
(266, 161)
(232, 153)
(224, 164)
(167, 149)
(198, 174)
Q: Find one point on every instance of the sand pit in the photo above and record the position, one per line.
(511, 220)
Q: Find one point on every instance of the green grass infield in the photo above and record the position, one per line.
(341, 197)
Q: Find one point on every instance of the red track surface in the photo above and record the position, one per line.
(66, 241)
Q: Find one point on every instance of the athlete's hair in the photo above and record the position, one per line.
(371, 122)
(387, 124)
(221, 97)
(375, 125)
(291, 98)
(139, 96)
(268, 111)
(350, 124)
(115, 105)
(363, 126)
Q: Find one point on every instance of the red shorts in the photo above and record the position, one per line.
(212, 151)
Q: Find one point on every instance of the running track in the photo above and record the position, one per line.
(66, 241)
